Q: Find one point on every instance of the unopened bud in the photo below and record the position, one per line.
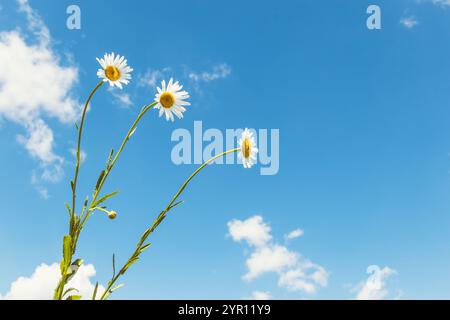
(112, 215)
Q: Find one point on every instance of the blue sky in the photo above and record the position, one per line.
(364, 145)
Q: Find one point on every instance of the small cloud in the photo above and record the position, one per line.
(375, 286)
(121, 98)
(294, 234)
(295, 272)
(152, 77)
(261, 295)
(409, 22)
(41, 284)
(253, 230)
(43, 192)
(440, 2)
(220, 71)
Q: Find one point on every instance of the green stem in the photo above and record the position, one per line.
(140, 245)
(113, 162)
(80, 132)
(77, 227)
(72, 223)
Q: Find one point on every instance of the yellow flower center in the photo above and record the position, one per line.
(167, 100)
(112, 73)
(246, 148)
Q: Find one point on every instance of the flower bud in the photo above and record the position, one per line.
(112, 215)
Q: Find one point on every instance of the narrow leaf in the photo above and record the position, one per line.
(108, 163)
(102, 199)
(74, 297)
(67, 247)
(144, 247)
(69, 290)
(176, 204)
(68, 209)
(129, 264)
(116, 287)
(100, 178)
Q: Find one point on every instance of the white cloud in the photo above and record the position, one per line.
(253, 230)
(306, 277)
(270, 258)
(41, 284)
(295, 272)
(375, 286)
(35, 23)
(43, 192)
(218, 72)
(151, 78)
(441, 2)
(294, 234)
(261, 295)
(121, 98)
(409, 22)
(34, 85)
(39, 143)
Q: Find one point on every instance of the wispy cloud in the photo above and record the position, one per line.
(295, 272)
(121, 98)
(151, 78)
(409, 22)
(294, 234)
(35, 23)
(218, 72)
(440, 2)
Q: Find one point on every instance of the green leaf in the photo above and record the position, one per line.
(94, 295)
(176, 204)
(68, 209)
(100, 178)
(116, 287)
(105, 197)
(74, 297)
(76, 125)
(69, 290)
(129, 264)
(71, 185)
(78, 262)
(73, 269)
(67, 247)
(144, 247)
(108, 163)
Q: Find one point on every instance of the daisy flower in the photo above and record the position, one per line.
(248, 149)
(114, 69)
(171, 100)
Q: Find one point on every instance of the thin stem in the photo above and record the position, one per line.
(76, 229)
(113, 162)
(80, 132)
(140, 245)
(72, 223)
